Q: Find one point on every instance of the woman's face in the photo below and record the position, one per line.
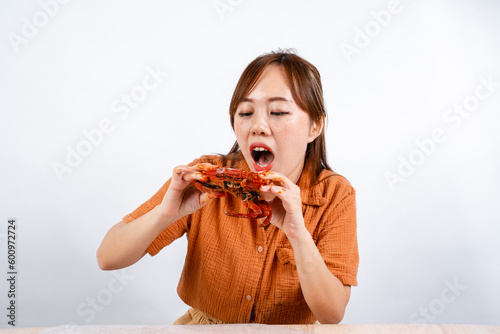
(271, 130)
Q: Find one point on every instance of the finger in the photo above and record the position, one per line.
(195, 172)
(276, 178)
(183, 175)
(198, 167)
(205, 197)
(180, 169)
(289, 199)
(203, 167)
(177, 173)
(191, 176)
(270, 192)
(283, 193)
(274, 189)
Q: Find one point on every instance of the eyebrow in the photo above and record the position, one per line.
(271, 99)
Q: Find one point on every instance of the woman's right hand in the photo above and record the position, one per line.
(182, 197)
(126, 243)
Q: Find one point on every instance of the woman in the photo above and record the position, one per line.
(300, 268)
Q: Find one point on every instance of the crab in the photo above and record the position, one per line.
(242, 184)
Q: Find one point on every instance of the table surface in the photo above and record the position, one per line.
(258, 328)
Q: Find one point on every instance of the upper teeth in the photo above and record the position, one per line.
(259, 149)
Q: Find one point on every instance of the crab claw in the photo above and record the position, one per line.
(208, 188)
(260, 209)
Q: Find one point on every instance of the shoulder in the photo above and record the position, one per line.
(330, 182)
(330, 187)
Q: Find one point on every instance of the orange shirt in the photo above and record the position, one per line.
(238, 272)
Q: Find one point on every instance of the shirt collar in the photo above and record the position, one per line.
(310, 193)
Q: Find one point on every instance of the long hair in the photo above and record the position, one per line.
(304, 81)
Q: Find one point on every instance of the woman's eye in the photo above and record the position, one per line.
(279, 113)
(244, 113)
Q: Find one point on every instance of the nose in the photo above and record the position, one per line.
(260, 126)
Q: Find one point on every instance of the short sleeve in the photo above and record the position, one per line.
(178, 228)
(168, 235)
(337, 240)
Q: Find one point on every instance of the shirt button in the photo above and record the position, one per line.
(249, 298)
(260, 249)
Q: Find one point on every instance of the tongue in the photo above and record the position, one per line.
(265, 158)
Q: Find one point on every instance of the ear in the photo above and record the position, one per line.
(314, 131)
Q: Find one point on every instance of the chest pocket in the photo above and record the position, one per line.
(287, 279)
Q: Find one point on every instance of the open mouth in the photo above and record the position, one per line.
(262, 156)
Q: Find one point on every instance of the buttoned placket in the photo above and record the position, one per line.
(256, 265)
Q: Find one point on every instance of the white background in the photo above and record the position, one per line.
(436, 228)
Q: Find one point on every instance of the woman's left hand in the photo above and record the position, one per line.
(289, 193)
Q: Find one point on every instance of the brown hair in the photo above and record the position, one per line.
(305, 84)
